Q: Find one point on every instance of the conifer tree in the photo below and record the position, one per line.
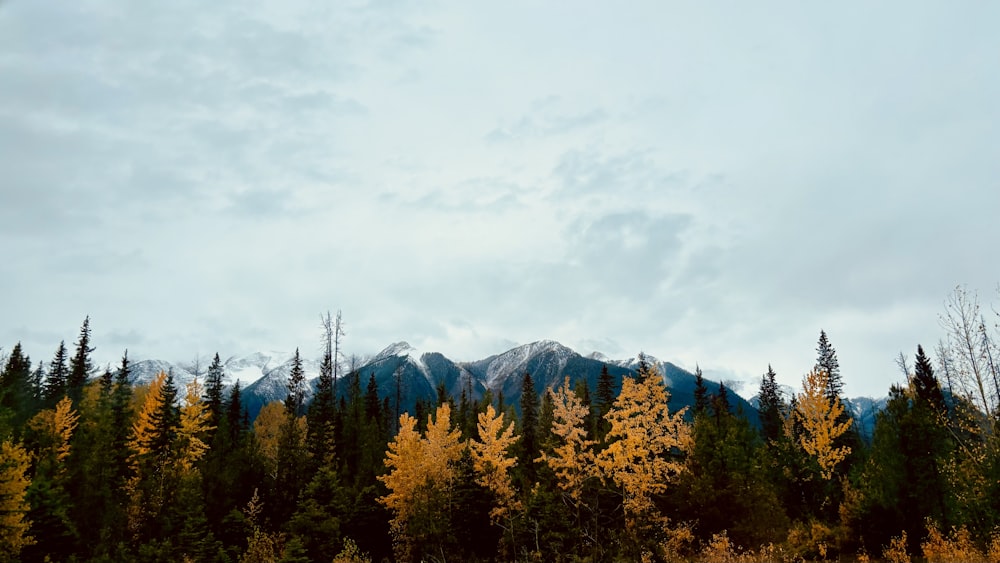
(194, 425)
(926, 384)
(55, 383)
(80, 364)
(214, 389)
(14, 483)
(720, 402)
(528, 447)
(826, 360)
(770, 406)
(700, 393)
(15, 387)
(605, 397)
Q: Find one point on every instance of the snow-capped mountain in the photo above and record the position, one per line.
(402, 371)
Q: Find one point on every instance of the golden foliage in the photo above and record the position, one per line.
(64, 423)
(818, 416)
(144, 427)
(421, 472)
(193, 426)
(351, 554)
(267, 433)
(492, 460)
(895, 552)
(572, 459)
(644, 437)
(957, 547)
(14, 483)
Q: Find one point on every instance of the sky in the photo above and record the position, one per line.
(712, 183)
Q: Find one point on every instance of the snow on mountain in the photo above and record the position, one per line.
(516, 360)
(409, 353)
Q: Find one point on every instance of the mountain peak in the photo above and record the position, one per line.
(401, 348)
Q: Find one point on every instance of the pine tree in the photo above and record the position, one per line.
(700, 393)
(604, 399)
(80, 364)
(528, 448)
(770, 406)
(926, 384)
(296, 388)
(827, 361)
(214, 389)
(55, 383)
(15, 388)
(235, 414)
(720, 402)
(323, 408)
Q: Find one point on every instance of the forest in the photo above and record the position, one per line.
(93, 468)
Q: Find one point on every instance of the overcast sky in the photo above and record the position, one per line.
(710, 182)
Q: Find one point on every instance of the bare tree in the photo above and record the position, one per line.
(969, 351)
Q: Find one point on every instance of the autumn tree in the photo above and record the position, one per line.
(51, 431)
(195, 424)
(420, 479)
(572, 459)
(819, 414)
(645, 442)
(14, 483)
(493, 461)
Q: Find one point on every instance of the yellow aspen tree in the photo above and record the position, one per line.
(195, 422)
(492, 460)
(14, 483)
(420, 480)
(642, 440)
(818, 415)
(404, 460)
(442, 448)
(572, 459)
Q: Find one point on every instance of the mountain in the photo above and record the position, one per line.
(416, 375)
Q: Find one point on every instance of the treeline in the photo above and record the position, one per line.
(94, 469)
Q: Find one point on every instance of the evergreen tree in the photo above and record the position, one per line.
(926, 384)
(528, 447)
(15, 388)
(701, 400)
(214, 389)
(604, 399)
(80, 364)
(296, 387)
(826, 360)
(235, 414)
(322, 412)
(770, 406)
(720, 402)
(55, 383)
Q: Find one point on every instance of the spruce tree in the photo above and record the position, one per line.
(80, 364)
(296, 387)
(528, 447)
(604, 399)
(15, 388)
(770, 406)
(55, 383)
(826, 360)
(322, 411)
(214, 389)
(700, 393)
(926, 384)
(720, 402)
